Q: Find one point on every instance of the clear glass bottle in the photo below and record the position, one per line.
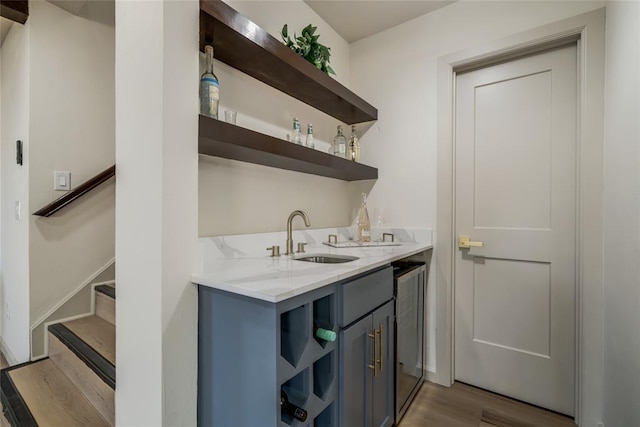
(364, 226)
(353, 151)
(209, 87)
(309, 141)
(297, 131)
(339, 146)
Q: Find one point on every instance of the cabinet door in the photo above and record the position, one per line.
(355, 381)
(383, 413)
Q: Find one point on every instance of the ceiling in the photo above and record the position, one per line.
(357, 19)
(352, 19)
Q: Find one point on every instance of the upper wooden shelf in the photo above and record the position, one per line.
(15, 10)
(240, 43)
(221, 139)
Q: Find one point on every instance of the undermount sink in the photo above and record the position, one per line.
(326, 258)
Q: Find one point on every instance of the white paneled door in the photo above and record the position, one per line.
(516, 196)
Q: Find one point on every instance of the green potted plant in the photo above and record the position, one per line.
(307, 46)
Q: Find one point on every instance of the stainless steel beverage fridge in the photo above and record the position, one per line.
(409, 286)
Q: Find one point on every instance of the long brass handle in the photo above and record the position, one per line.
(374, 366)
(465, 242)
(380, 353)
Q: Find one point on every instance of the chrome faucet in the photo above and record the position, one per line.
(289, 221)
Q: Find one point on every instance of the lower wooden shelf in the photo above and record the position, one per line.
(221, 139)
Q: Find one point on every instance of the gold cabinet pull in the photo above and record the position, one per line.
(374, 366)
(379, 333)
(465, 242)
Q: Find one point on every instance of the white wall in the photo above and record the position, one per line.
(403, 142)
(72, 126)
(622, 216)
(156, 212)
(236, 197)
(14, 276)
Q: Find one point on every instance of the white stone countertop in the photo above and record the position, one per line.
(240, 264)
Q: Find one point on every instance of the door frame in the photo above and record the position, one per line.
(588, 31)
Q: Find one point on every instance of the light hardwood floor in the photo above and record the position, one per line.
(462, 405)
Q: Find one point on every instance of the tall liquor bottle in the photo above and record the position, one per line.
(309, 142)
(339, 146)
(297, 131)
(209, 88)
(353, 151)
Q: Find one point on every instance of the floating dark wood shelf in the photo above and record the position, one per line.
(77, 192)
(221, 139)
(15, 10)
(240, 43)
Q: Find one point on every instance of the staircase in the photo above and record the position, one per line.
(75, 385)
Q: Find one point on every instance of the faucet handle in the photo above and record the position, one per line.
(275, 250)
(301, 246)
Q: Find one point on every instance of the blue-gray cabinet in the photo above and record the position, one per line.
(366, 370)
(249, 351)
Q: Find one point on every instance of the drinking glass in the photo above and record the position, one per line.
(230, 116)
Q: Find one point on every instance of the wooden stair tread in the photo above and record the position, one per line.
(106, 290)
(52, 398)
(97, 333)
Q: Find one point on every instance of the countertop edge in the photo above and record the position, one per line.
(203, 280)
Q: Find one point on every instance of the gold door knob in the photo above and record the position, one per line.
(465, 242)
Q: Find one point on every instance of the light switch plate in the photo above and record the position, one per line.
(61, 180)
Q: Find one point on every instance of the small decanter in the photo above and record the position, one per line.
(364, 226)
(209, 87)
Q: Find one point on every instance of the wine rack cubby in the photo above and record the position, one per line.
(251, 350)
(294, 333)
(324, 316)
(308, 364)
(324, 373)
(327, 418)
(297, 390)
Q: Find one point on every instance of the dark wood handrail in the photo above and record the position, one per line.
(77, 192)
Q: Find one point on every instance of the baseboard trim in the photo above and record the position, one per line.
(94, 360)
(63, 301)
(11, 359)
(14, 407)
(431, 376)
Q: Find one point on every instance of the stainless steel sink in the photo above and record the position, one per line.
(326, 258)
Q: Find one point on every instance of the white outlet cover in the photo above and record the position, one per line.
(61, 180)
